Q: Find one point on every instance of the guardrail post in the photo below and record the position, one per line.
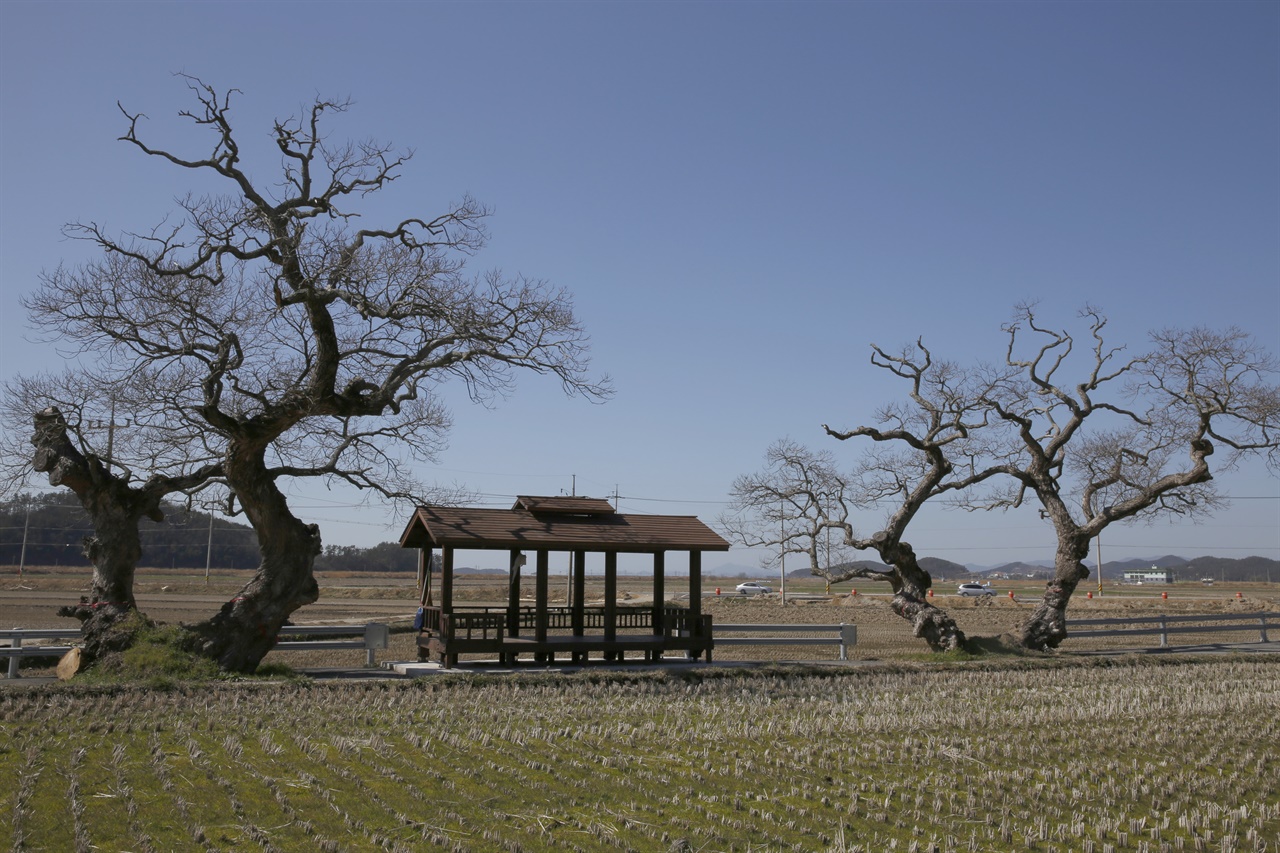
(1164, 636)
(376, 636)
(15, 643)
(848, 637)
(1262, 629)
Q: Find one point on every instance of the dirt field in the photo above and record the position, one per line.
(176, 597)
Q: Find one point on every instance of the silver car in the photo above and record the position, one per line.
(753, 588)
(975, 589)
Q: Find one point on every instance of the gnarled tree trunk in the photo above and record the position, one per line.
(1046, 628)
(115, 509)
(247, 626)
(911, 586)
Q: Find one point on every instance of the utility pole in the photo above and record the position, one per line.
(110, 426)
(208, 552)
(782, 557)
(22, 558)
(1099, 540)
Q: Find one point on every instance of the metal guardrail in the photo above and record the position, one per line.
(369, 637)
(1166, 625)
(845, 636)
(16, 651)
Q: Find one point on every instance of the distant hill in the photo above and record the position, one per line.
(1166, 562)
(934, 566)
(1247, 569)
(841, 567)
(939, 568)
(1224, 569)
(1023, 569)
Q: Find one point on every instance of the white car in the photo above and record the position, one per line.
(975, 589)
(753, 588)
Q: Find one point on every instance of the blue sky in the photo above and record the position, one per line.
(741, 196)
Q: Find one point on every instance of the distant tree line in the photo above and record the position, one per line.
(49, 530)
(383, 557)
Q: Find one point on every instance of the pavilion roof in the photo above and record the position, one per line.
(557, 524)
(564, 504)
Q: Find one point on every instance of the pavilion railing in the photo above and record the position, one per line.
(486, 622)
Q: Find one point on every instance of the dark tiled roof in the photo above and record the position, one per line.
(564, 504)
(506, 529)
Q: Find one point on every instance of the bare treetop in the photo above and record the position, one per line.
(1112, 436)
(271, 308)
(309, 345)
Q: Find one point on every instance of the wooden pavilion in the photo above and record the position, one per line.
(578, 526)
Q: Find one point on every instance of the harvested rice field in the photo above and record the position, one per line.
(1069, 755)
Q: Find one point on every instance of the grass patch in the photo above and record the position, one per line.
(154, 656)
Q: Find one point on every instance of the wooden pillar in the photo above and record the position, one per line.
(540, 598)
(446, 580)
(513, 593)
(424, 576)
(448, 657)
(579, 566)
(659, 592)
(695, 585)
(695, 597)
(610, 596)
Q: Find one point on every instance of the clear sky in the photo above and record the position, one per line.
(741, 195)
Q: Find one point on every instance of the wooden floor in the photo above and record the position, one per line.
(576, 648)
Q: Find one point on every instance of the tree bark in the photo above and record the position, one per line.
(911, 586)
(115, 510)
(248, 625)
(1046, 628)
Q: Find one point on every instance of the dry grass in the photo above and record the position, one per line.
(989, 755)
(392, 598)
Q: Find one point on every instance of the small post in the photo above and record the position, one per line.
(15, 643)
(1164, 637)
(376, 636)
(1262, 629)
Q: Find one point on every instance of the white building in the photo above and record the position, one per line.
(1151, 575)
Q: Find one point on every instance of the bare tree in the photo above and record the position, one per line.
(924, 449)
(1093, 458)
(310, 346)
(785, 508)
(119, 479)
